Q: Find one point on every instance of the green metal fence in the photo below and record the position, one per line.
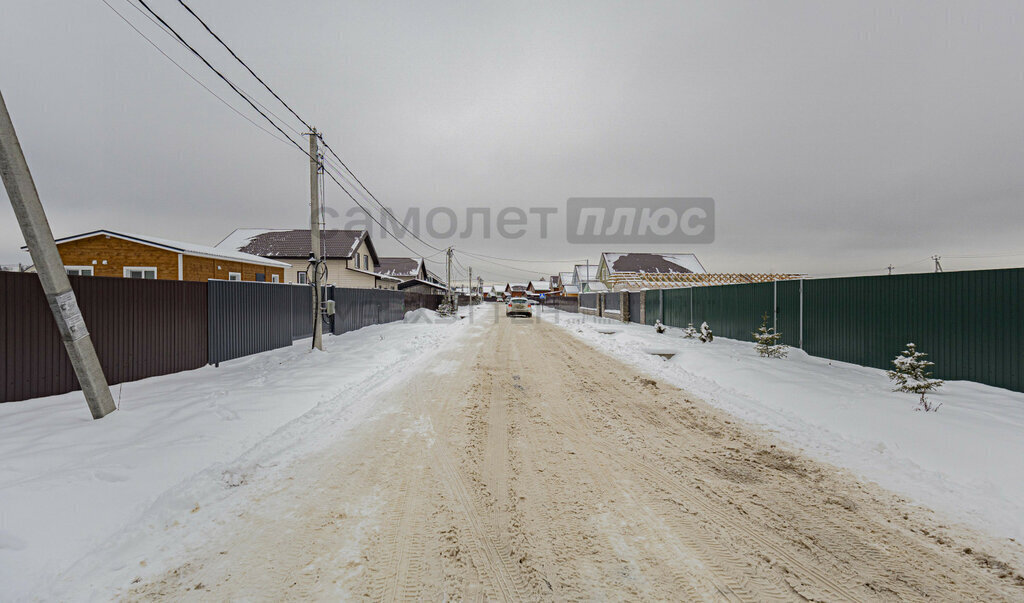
(970, 323)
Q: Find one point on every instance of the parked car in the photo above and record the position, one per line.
(519, 306)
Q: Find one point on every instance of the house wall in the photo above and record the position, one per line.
(362, 250)
(196, 268)
(338, 273)
(119, 253)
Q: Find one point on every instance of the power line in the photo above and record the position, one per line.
(247, 99)
(189, 74)
(239, 59)
(304, 122)
(220, 75)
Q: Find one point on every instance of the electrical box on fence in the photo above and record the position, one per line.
(330, 307)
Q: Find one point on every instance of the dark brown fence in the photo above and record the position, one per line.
(569, 304)
(415, 301)
(141, 328)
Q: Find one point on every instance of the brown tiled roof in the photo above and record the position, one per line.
(338, 244)
(653, 262)
(408, 267)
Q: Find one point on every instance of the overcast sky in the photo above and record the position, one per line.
(834, 137)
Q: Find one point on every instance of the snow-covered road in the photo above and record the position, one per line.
(487, 457)
(525, 465)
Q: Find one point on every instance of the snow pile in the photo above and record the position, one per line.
(69, 485)
(967, 460)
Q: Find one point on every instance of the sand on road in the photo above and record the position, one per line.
(529, 466)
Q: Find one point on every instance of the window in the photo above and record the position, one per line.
(300, 277)
(137, 272)
(275, 278)
(260, 277)
(366, 262)
(79, 270)
(357, 261)
(234, 276)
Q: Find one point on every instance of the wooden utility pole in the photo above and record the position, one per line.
(314, 237)
(36, 229)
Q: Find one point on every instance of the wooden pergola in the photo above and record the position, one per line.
(623, 281)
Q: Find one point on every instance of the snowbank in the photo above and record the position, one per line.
(967, 460)
(69, 484)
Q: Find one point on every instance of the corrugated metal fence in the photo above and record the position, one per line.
(141, 328)
(358, 308)
(248, 318)
(970, 323)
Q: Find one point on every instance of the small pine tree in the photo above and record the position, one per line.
(659, 327)
(767, 339)
(446, 308)
(706, 336)
(689, 332)
(910, 374)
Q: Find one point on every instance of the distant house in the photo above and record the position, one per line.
(515, 289)
(538, 287)
(349, 254)
(565, 285)
(582, 274)
(121, 254)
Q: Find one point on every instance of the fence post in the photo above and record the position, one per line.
(801, 313)
(691, 304)
(661, 305)
(775, 306)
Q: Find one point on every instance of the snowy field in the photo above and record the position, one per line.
(966, 460)
(69, 485)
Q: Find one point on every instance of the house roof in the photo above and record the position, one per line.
(570, 289)
(515, 287)
(540, 286)
(182, 247)
(294, 243)
(594, 286)
(401, 267)
(653, 262)
(584, 274)
(564, 278)
(415, 281)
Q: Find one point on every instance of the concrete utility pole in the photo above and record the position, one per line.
(938, 266)
(449, 283)
(890, 268)
(39, 238)
(314, 237)
(470, 285)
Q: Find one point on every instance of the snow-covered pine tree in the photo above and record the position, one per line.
(689, 332)
(706, 336)
(658, 326)
(767, 339)
(910, 374)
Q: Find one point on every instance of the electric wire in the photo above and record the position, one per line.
(219, 74)
(192, 77)
(244, 64)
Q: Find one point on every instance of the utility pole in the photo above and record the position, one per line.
(890, 268)
(314, 237)
(471, 285)
(938, 266)
(449, 283)
(39, 238)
